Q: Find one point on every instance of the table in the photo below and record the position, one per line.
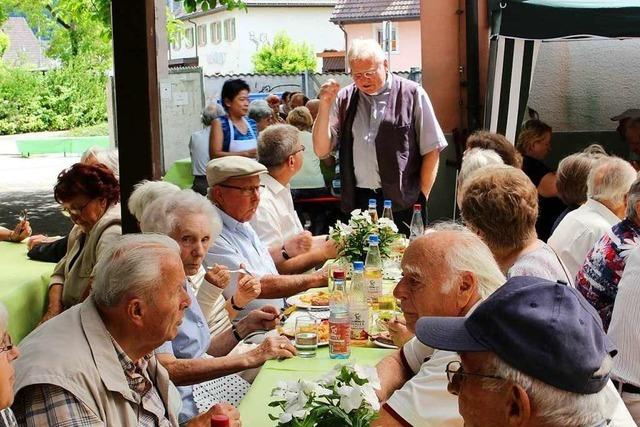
(254, 409)
(180, 173)
(23, 288)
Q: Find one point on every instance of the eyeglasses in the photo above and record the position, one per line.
(7, 345)
(365, 74)
(455, 373)
(302, 148)
(245, 191)
(76, 212)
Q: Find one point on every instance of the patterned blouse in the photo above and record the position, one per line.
(598, 277)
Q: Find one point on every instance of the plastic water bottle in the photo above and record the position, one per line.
(417, 226)
(339, 321)
(336, 184)
(373, 210)
(373, 271)
(386, 212)
(358, 307)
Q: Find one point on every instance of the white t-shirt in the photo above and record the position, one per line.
(424, 399)
(276, 220)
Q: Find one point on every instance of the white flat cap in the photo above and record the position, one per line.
(223, 168)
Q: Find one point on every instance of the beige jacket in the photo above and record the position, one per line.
(75, 280)
(74, 351)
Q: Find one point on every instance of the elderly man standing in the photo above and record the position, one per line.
(276, 221)
(533, 354)
(607, 186)
(199, 149)
(386, 133)
(93, 365)
(446, 273)
(234, 188)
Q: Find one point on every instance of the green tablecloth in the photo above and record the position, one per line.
(180, 173)
(253, 407)
(23, 288)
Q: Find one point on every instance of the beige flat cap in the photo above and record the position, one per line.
(632, 113)
(223, 168)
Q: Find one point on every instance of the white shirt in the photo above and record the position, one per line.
(199, 150)
(625, 319)
(424, 400)
(579, 231)
(275, 220)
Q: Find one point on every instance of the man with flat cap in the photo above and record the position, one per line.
(234, 188)
(629, 130)
(532, 354)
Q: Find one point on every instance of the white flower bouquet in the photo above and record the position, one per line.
(344, 397)
(352, 238)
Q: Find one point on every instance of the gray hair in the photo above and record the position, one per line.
(131, 265)
(477, 158)
(572, 175)
(4, 318)
(471, 254)
(106, 156)
(146, 192)
(259, 109)
(555, 406)
(209, 113)
(276, 143)
(365, 49)
(610, 180)
(633, 200)
(165, 214)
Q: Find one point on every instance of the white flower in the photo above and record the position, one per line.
(301, 414)
(285, 417)
(369, 373)
(356, 212)
(369, 395)
(387, 223)
(350, 398)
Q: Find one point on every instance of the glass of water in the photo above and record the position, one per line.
(306, 336)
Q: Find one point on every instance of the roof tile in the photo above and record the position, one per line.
(375, 10)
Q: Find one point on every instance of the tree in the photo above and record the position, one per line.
(4, 43)
(283, 56)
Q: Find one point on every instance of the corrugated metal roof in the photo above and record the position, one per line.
(375, 10)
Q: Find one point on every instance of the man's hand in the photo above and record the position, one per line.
(330, 249)
(328, 92)
(218, 276)
(298, 244)
(399, 332)
(263, 319)
(247, 290)
(273, 347)
(204, 420)
(21, 231)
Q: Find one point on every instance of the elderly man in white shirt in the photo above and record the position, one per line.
(607, 187)
(276, 221)
(445, 273)
(199, 148)
(625, 333)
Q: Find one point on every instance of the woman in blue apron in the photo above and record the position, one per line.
(234, 134)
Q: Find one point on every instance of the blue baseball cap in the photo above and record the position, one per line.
(542, 328)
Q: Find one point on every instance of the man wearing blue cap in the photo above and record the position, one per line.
(532, 354)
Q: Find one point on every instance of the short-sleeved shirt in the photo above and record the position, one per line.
(541, 262)
(199, 150)
(369, 115)
(239, 244)
(238, 136)
(310, 175)
(598, 278)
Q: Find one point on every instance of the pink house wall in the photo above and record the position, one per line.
(409, 52)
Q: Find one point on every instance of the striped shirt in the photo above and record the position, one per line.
(7, 419)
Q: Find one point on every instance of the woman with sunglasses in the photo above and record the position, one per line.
(89, 195)
(8, 353)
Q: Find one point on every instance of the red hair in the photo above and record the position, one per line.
(92, 181)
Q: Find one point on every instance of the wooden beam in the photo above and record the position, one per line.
(137, 98)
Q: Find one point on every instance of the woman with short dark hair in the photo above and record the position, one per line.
(89, 195)
(234, 134)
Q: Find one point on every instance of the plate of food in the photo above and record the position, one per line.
(311, 300)
(323, 332)
(381, 336)
(383, 340)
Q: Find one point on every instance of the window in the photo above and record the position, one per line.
(202, 35)
(216, 32)
(177, 41)
(188, 38)
(230, 29)
(393, 41)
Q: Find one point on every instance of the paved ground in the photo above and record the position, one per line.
(27, 183)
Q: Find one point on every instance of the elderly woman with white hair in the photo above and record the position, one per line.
(146, 192)
(474, 159)
(261, 113)
(8, 353)
(193, 223)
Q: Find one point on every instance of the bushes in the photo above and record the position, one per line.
(68, 97)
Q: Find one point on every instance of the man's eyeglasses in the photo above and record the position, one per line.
(301, 148)
(364, 75)
(7, 345)
(455, 373)
(76, 212)
(245, 191)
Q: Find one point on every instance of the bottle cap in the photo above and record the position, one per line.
(387, 203)
(374, 239)
(358, 265)
(372, 202)
(417, 207)
(219, 421)
(339, 274)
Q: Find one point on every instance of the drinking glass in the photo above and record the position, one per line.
(306, 336)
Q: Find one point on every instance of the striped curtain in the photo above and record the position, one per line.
(511, 65)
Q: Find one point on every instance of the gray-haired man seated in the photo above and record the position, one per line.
(532, 354)
(93, 365)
